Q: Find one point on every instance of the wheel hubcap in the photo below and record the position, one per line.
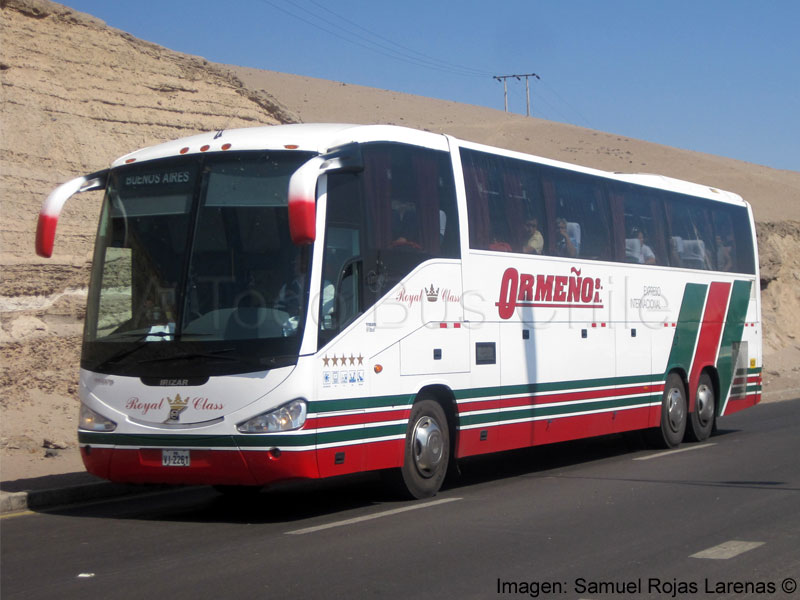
(428, 446)
(675, 409)
(705, 404)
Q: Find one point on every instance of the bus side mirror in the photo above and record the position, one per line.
(303, 189)
(51, 208)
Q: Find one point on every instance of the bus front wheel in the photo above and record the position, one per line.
(427, 450)
(673, 415)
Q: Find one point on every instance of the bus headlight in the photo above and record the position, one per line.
(290, 416)
(89, 420)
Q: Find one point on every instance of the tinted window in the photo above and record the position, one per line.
(382, 223)
(580, 219)
(690, 236)
(642, 223)
(520, 206)
(733, 239)
(504, 202)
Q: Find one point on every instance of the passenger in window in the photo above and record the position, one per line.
(565, 245)
(724, 259)
(405, 229)
(535, 242)
(642, 253)
(500, 246)
(330, 277)
(290, 296)
(675, 244)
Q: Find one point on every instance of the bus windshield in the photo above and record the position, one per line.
(194, 270)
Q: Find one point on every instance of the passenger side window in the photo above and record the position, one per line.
(504, 203)
(690, 242)
(642, 214)
(580, 223)
(724, 240)
(382, 223)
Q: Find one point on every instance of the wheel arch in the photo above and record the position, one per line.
(711, 371)
(683, 374)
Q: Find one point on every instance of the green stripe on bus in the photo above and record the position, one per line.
(731, 334)
(530, 412)
(241, 441)
(556, 386)
(323, 406)
(683, 343)
(145, 439)
(349, 435)
(194, 441)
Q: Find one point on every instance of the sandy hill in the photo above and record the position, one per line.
(76, 94)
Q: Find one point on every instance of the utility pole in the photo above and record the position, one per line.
(504, 79)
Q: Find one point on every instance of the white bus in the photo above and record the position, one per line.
(305, 301)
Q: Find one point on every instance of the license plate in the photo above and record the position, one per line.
(175, 458)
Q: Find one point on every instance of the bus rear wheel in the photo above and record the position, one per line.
(701, 421)
(427, 450)
(673, 415)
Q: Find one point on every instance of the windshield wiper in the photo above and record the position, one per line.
(140, 341)
(192, 355)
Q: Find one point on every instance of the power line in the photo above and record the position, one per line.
(406, 49)
(357, 39)
(324, 19)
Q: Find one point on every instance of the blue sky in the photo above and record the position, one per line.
(714, 76)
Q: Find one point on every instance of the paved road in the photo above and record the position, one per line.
(581, 520)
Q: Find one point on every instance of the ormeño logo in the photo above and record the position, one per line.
(548, 291)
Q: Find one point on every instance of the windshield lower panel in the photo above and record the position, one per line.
(194, 271)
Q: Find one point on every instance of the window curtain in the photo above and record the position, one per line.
(378, 199)
(515, 212)
(475, 181)
(426, 183)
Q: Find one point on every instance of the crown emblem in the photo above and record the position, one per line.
(432, 294)
(176, 406)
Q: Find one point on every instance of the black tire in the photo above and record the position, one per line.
(427, 451)
(701, 420)
(673, 415)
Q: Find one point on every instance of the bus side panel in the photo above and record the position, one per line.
(739, 356)
(708, 340)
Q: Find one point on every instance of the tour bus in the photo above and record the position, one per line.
(306, 301)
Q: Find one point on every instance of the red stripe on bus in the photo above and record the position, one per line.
(547, 431)
(737, 404)
(341, 460)
(498, 403)
(710, 333)
(356, 419)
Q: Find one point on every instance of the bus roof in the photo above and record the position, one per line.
(316, 137)
(320, 137)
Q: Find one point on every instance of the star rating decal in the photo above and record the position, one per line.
(343, 361)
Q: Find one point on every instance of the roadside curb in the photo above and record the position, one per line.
(60, 496)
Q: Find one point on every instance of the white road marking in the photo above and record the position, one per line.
(385, 513)
(668, 452)
(727, 550)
